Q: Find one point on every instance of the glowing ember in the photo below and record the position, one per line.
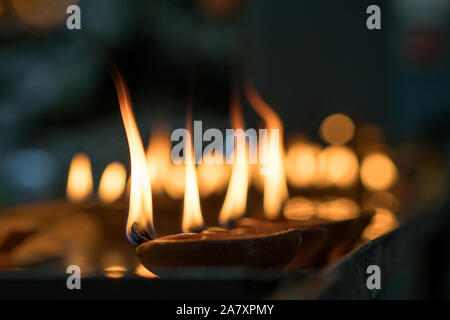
(236, 197)
(275, 186)
(79, 182)
(140, 208)
(112, 184)
(378, 172)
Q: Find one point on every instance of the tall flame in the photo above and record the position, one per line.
(236, 198)
(275, 186)
(140, 208)
(79, 181)
(192, 213)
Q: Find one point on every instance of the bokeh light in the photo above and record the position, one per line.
(337, 129)
(378, 172)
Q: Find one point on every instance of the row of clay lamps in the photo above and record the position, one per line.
(251, 243)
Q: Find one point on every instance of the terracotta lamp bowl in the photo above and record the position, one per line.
(313, 239)
(323, 240)
(198, 251)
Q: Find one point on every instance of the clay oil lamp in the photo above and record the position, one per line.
(329, 229)
(194, 247)
(12, 234)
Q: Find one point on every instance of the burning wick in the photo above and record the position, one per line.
(140, 214)
(139, 234)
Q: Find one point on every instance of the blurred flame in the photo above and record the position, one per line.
(236, 198)
(299, 208)
(378, 172)
(79, 182)
(174, 182)
(336, 166)
(212, 177)
(192, 213)
(275, 186)
(112, 182)
(140, 208)
(382, 222)
(301, 164)
(41, 13)
(158, 158)
(115, 272)
(337, 129)
(338, 209)
(382, 199)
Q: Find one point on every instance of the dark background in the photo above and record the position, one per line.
(307, 59)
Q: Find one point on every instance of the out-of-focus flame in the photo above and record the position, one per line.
(79, 182)
(275, 186)
(212, 177)
(236, 198)
(43, 14)
(192, 213)
(301, 164)
(143, 272)
(140, 208)
(336, 166)
(338, 209)
(174, 182)
(112, 183)
(158, 158)
(378, 172)
(337, 129)
(115, 272)
(299, 208)
(382, 222)
(382, 199)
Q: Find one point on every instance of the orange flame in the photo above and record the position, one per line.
(158, 158)
(236, 198)
(79, 182)
(112, 183)
(140, 208)
(175, 181)
(275, 186)
(212, 177)
(192, 213)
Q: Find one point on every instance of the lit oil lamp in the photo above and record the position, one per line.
(195, 247)
(341, 218)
